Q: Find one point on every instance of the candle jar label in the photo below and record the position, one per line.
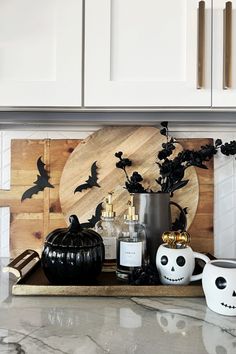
(131, 254)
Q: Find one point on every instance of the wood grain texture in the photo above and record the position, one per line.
(32, 219)
(141, 145)
(27, 228)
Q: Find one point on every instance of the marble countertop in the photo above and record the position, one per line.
(89, 325)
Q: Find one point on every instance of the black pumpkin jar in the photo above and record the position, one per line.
(72, 255)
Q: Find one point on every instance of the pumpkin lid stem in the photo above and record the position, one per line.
(74, 224)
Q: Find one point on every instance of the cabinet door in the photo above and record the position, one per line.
(224, 54)
(40, 52)
(143, 53)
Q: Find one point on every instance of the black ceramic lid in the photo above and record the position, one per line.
(74, 236)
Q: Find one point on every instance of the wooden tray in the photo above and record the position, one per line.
(32, 281)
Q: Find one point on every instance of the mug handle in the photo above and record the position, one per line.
(205, 259)
(182, 215)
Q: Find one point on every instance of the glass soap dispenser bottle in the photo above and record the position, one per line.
(108, 228)
(131, 244)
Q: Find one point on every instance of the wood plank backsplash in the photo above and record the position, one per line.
(224, 188)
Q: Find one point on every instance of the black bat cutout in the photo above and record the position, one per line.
(40, 183)
(180, 222)
(91, 181)
(94, 219)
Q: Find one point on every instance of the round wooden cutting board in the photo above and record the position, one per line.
(141, 145)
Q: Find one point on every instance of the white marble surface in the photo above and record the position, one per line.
(40, 325)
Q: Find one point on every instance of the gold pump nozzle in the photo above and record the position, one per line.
(131, 216)
(108, 212)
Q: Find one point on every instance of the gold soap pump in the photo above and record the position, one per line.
(131, 215)
(108, 212)
(109, 230)
(131, 245)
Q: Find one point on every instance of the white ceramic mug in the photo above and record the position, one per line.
(219, 286)
(176, 265)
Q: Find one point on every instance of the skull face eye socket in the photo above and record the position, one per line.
(180, 324)
(164, 260)
(180, 261)
(221, 283)
(164, 321)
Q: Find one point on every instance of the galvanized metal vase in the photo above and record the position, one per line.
(154, 212)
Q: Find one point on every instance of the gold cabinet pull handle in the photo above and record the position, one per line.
(201, 45)
(227, 46)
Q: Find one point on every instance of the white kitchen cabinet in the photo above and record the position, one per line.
(40, 52)
(144, 53)
(224, 54)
